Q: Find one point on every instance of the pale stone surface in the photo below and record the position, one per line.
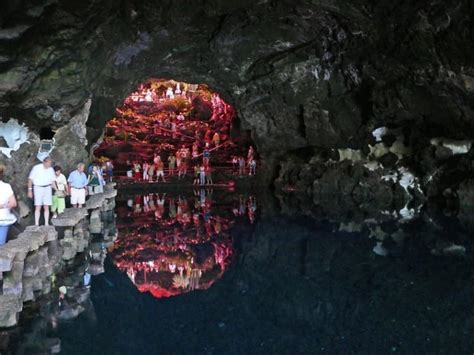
(95, 201)
(70, 217)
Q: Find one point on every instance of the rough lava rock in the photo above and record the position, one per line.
(302, 74)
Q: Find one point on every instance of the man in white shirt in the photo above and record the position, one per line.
(40, 183)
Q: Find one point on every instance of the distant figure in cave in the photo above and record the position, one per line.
(216, 139)
(180, 117)
(173, 129)
(206, 155)
(207, 136)
(96, 181)
(171, 164)
(151, 172)
(196, 174)
(195, 150)
(250, 154)
(109, 167)
(241, 166)
(137, 171)
(252, 166)
(160, 170)
(129, 169)
(167, 126)
(208, 174)
(169, 93)
(202, 175)
(145, 169)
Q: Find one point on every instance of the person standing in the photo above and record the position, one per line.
(7, 202)
(160, 166)
(241, 166)
(151, 172)
(252, 166)
(96, 181)
(208, 174)
(129, 168)
(235, 162)
(250, 154)
(206, 154)
(78, 186)
(216, 139)
(202, 175)
(60, 192)
(137, 171)
(196, 174)
(40, 183)
(109, 167)
(145, 166)
(171, 164)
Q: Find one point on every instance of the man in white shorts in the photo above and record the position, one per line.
(78, 186)
(40, 183)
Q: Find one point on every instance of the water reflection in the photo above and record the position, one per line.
(169, 244)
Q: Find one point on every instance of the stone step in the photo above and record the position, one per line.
(70, 217)
(110, 193)
(95, 201)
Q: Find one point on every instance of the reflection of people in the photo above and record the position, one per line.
(7, 202)
(40, 183)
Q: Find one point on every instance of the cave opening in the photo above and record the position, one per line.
(172, 132)
(46, 133)
(169, 130)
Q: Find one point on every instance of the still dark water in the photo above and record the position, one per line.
(214, 272)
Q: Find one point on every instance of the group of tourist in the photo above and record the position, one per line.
(48, 188)
(239, 163)
(179, 161)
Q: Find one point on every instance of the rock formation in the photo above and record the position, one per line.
(306, 77)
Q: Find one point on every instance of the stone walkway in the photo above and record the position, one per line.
(28, 262)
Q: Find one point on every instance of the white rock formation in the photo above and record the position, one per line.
(14, 135)
(457, 147)
(350, 154)
(378, 133)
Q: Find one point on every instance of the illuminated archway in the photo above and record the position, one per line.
(176, 127)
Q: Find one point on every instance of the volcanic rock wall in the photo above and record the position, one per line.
(306, 77)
